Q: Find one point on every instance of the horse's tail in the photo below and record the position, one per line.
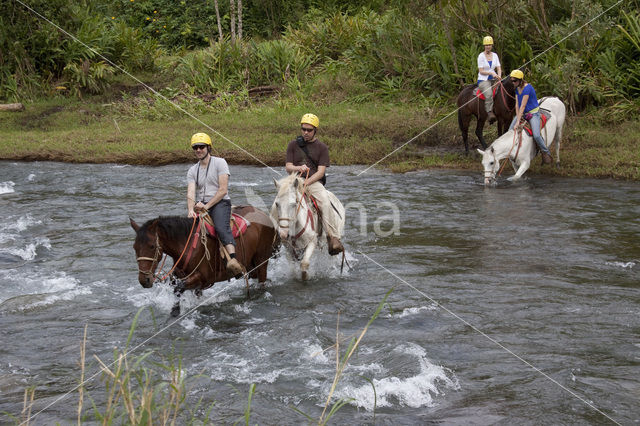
(460, 119)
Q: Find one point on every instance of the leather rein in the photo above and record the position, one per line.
(289, 220)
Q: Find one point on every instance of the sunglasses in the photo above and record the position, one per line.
(197, 147)
(307, 130)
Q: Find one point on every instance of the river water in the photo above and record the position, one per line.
(513, 304)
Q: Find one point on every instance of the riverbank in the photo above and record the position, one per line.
(121, 132)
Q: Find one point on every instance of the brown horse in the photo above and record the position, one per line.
(204, 265)
(469, 105)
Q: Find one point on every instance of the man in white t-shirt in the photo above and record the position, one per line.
(489, 70)
(207, 190)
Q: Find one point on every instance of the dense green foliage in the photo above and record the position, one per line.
(585, 51)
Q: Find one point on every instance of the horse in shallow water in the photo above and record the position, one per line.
(470, 105)
(297, 220)
(198, 263)
(521, 154)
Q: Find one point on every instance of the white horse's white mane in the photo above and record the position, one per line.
(286, 182)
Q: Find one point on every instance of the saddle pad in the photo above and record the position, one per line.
(238, 224)
(543, 121)
(480, 95)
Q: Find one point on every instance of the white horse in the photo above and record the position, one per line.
(297, 221)
(521, 157)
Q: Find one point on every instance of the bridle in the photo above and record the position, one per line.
(287, 220)
(154, 260)
(491, 174)
(290, 220)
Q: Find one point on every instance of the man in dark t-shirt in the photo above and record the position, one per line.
(313, 163)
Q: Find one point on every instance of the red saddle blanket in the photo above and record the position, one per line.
(481, 96)
(238, 224)
(527, 126)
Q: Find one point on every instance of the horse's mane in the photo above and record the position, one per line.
(176, 227)
(286, 182)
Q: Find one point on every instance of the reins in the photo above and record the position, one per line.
(304, 188)
(159, 252)
(502, 93)
(509, 154)
(175, 264)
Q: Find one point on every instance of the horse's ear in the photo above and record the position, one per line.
(295, 182)
(480, 151)
(134, 225)
(275, 182)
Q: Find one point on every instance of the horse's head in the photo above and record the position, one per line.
(148, 251)
(490, 163)
(285, 205)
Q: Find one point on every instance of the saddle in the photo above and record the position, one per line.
(238, 224)
(544, 117)
(481, 96)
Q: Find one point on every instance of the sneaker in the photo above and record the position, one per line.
(546, 158)
(235, 268)
(335, 246)
(491, 116)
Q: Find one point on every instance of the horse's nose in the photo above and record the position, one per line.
(283, 234)
(145, 280)
(487, 181)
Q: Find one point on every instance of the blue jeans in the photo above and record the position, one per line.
(535, 128)
(221, 215)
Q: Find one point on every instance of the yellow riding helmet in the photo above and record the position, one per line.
(487, 40)
(517, 74)
(200, 138)
(310, 119)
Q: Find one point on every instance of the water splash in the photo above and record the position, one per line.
(414, 391)
(7, 187)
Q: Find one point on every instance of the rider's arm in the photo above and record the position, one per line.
(317, 175)
(520, 109)
(499, 71)
(191, 198)
(223, 185)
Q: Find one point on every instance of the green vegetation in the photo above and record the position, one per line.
(377, 73)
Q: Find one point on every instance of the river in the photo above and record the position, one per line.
(511, 304)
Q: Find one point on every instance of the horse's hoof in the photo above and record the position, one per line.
(305, 275)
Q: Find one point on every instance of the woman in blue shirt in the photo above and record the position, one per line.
(527, 107)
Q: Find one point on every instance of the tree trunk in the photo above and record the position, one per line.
(215, 3)
(239, 19)
(11, 107)
(232, 13)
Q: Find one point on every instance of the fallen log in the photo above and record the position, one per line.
(11, 107)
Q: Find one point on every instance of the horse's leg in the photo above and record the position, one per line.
(502, 126)
(308, 251)
(524, 166)
(557, 141)
(480, 127)
(463, 124)
(178, 289)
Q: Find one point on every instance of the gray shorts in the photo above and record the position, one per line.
(221, 215)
